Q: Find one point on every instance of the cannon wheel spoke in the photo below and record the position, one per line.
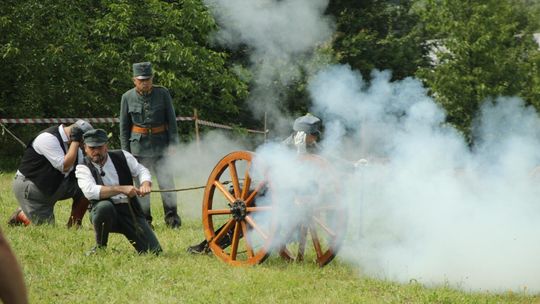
(301, 244)
(235, 240)
(234, 178)
(248, 242)
(253, 194)
(316, 242)
(219, 211)
(247, 181)
(222, 232)
(255, 226)
(224, 191)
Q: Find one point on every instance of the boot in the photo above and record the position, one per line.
(201, 248)
(173, 221)
(18, 218)
(78, 209)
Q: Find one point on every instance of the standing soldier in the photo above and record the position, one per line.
(148, 131)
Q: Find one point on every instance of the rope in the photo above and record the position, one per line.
(176, 190)
(185, 189)
(10, 133)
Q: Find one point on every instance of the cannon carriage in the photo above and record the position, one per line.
(246, 215)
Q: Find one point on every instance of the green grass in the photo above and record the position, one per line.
(57, 271)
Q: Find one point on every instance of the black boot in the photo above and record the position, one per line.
(201, 248)
(173, 221)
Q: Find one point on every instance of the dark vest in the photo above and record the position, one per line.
(120, 164)
(39, 170)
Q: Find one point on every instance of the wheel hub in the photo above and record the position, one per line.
(238, 210)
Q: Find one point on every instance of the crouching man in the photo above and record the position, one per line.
(106, 179)
(45, 176)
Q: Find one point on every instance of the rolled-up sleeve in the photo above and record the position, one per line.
(87, 183)
(137, 170)
(47, 145)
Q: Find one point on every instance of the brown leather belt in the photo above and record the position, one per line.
(146, 131)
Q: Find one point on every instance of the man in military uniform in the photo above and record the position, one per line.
(148, 131)
(306, 133)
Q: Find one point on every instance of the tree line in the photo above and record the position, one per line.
(73, 58)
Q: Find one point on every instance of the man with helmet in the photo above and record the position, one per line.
(307, 132)
(46, 175)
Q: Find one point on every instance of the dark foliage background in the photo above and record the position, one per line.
(73, 58)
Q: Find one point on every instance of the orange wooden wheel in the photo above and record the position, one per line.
(321, 220)
(238, 231)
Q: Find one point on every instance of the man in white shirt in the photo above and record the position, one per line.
(46, 175)
(106, 179)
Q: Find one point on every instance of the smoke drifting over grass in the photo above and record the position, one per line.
(427, 207)
(423, 205)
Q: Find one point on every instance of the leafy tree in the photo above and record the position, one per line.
(73, 58)
(378, 34)
(481, 49)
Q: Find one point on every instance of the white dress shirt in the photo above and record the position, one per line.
(91, 190)
(46, 144)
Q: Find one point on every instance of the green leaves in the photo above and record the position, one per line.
(73, 58)
(484, 51)
(378, 35)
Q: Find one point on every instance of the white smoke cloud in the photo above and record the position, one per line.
(425, 207)
(281, 36)
(434, 210)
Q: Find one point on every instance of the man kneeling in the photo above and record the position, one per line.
(106, 179)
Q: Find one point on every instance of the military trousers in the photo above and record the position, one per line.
(126, 219)
(165, 179)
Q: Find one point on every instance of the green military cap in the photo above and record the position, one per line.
(142, 70)
(308, 123)
(95, 138)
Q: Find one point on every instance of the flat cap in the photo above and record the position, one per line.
(95, 138)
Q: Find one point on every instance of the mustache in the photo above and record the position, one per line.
(98, 158)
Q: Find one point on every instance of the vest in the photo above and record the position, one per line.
(39, 170)
(120, 164)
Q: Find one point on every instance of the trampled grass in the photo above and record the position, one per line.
(57, 271)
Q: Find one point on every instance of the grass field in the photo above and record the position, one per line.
(57, 271)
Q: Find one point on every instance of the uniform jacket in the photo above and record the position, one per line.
(152, 110)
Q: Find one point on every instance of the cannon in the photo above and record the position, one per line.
(245, 217)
